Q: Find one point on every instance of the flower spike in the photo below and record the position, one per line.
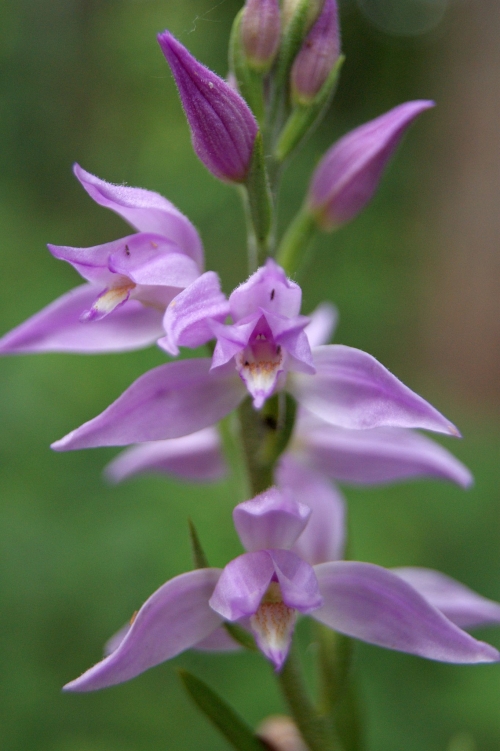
(223, 128)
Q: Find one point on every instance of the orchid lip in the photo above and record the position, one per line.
(259, 366)
(273, 625)
(109, 299)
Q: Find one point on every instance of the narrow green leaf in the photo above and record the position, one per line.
(233, 728)
(241, 636)
(199, 557)
(304, 118)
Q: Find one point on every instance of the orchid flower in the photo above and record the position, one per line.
(359, 457)
(286, 571)
(263, 351)
(129, 282)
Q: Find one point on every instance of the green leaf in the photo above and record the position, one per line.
(233, 728)
(241, 636)
(304, 118)
(199, 557)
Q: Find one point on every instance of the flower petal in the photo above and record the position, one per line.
(379, 455)
(353, 390)
(145, 210)
(323, 539)
(196, 457)
(176, 617)
(167, 402)
(273, 519)
(58, 328)
(242, 585)
(187, 318)
(297, 580)
(218, 641)
(322, 324)
(267, 289)
(460, 604)
(370, 603)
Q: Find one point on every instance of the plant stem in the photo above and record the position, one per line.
(294, 243)
(313, 728)
(264, 436)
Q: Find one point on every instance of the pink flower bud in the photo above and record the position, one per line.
(349, 173)
(260, 32)
(318, 55)
(223, 128)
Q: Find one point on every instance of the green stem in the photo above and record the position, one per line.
(312, 727)
(264, 436)
(259, 205)
(295, 242)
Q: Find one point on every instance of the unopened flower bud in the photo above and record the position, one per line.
(260, 33)
(223, 128)
(290, 7)
(319, 53)
(349, 173)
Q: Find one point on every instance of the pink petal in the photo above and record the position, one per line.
(167, 402)
(175, 618)
(242, 585)
(196, 457)
(145, 210)
(323, 538)
(353, 390)
(187, 318)
(322, 324)
(379, 455)
(58, 328)
(267, 289)
(272, 519)
(370, 603)
(457, 602)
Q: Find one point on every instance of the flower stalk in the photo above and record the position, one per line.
(313, 728)
(296, 241)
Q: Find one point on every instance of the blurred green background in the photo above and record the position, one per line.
(416, 281)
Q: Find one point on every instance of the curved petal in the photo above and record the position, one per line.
(379, 455)
(196, 457)
(145, 210)
(353, 390)
(218, 641)
(273, 519)
(151, 260)
(460, 604)
(58, 328)
(267, 289)
(370, 603)
(322, 324)
(186, 320)
(297, 580)
(176, 617)
(323, 539)
(167, 402)
(242, 585)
